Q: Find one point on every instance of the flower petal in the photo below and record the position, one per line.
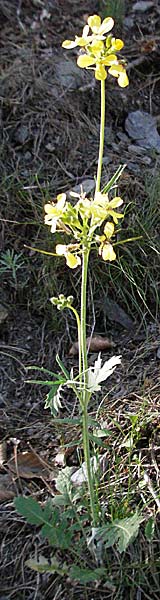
(68, 44)
(109, 60)
(94, 22)
(117, 44)
(97, 47)
(49, 209)
(84, 60)
(115, 70)
(108, 252)
(85, 31)
(53, 225)
(117, 201)
(61, 249)
(115, 216)
(108, 229)
(123, 80)
(100, 72)
(72, 260)
(61, 198)
(106, 25)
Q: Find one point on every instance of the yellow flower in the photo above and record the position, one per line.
(116, 44)
(54, 212)
(99, 50)
(98, 32)
(87, 60)
(106, 248)
(119, 71)
(102, 207)
(107, 252)
(72, 260)
(98, 27)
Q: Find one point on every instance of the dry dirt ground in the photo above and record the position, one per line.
(49, 143)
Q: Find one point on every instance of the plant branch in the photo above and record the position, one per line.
(101, 144)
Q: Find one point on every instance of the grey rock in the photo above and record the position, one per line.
(21, 134)
(3, 314)
(143, 5)
(141, 127)
(134, 167)
(117, 314)
(158, 353)
(27, 156)
(68, 75)
(106, 160)
(87, 185)
(146, 160)
(133, 148)
(122, 137)
(128, 22)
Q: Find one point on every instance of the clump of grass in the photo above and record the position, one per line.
(134, 278)
(116, 8)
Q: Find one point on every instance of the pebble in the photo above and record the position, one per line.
(87, 185)
(3, 314)
(21, 134)
(68, 75)
(141, 126)
(143, 5)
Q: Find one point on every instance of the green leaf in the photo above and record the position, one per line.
(69, 421)
(53, 401)
(30, 509)
(63, 481)
(62, 367)
(102, 433)
(87, 575)
(113, 179)
(97, 440)
(42, 369)
(121, 531)
(57, 382)
(43, 566)
(149, 529)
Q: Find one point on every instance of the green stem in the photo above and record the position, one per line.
(85, 394)
(79, 341)
(101, 143)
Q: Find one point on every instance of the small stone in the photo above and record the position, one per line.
(21, 134)
(3, 314)
(158, 353)
(87, 185)
(27, 156)
(146, 160)
(141, 126)
(134, 168)
(143, 5)
(128, 22)
(67, 74)
(122, 137)
(136, 149)
(107, 160)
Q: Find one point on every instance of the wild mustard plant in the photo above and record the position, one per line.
(90, 223)
(83, 220)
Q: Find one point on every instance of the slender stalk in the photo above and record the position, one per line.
(79, 341)
(86, 447)
(101, 143)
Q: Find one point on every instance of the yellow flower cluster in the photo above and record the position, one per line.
(86, 213)
(100, 50)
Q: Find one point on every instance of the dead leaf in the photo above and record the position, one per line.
(28, 465)
(3, 452)
(7, 491)
(95, 344)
